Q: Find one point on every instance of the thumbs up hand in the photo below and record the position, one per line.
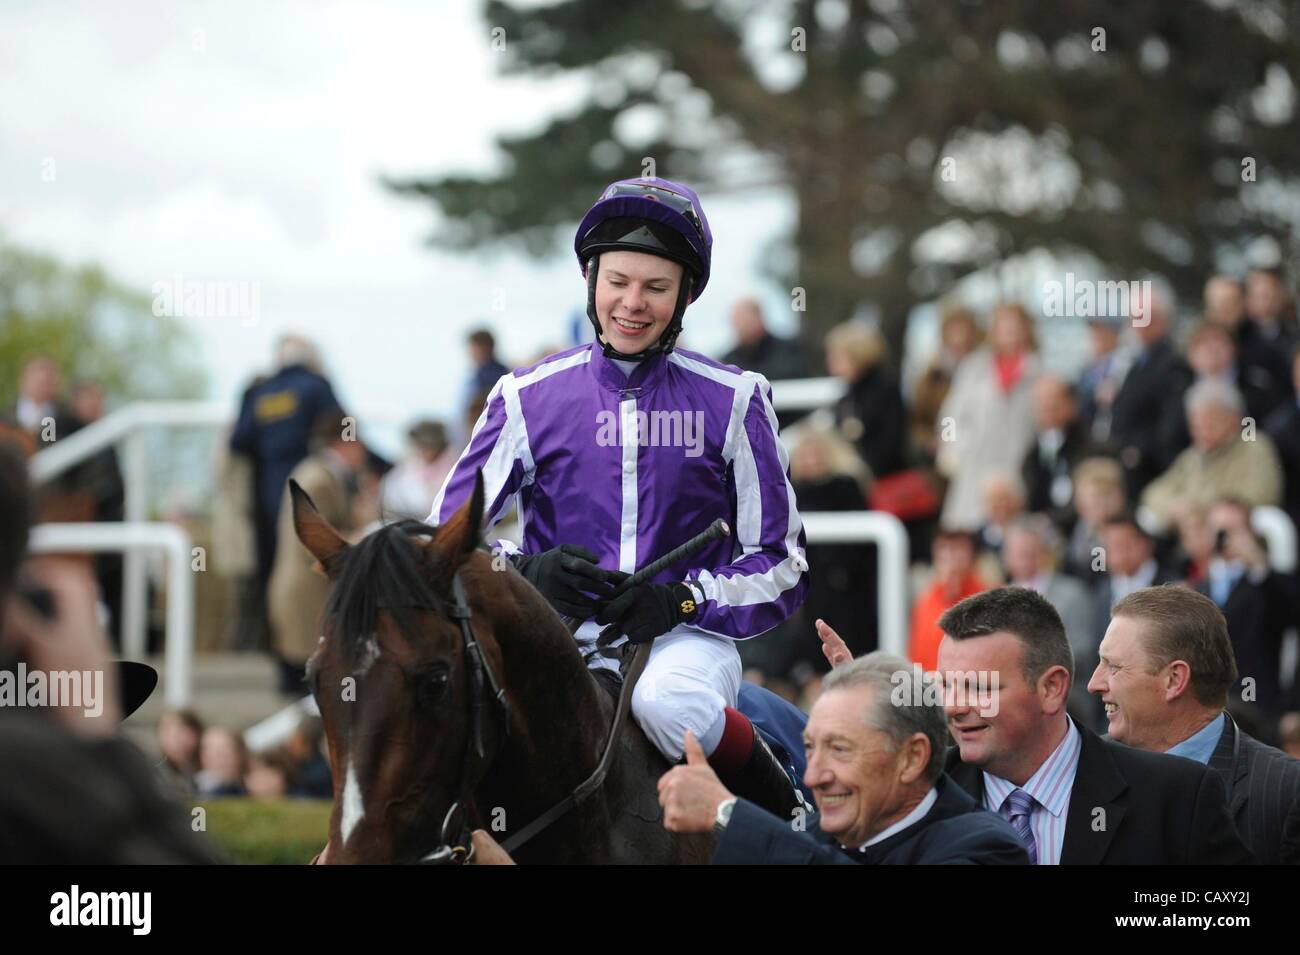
(690, 793)
(694, 755)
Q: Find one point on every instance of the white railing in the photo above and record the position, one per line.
(888, 534)
(126, 430)
(806, 394)
(133, 539)
(127, 427)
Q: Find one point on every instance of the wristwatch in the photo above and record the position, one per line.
(723, 815)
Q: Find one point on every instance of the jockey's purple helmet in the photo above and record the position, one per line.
(631, 214)
(657, 217)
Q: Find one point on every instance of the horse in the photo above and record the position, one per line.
(416, 735)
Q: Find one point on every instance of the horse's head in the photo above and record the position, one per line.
(400, 692)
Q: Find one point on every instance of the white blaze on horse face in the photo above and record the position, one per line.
(354, 808)
(369, 654)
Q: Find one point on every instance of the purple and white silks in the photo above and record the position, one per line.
(631, 466)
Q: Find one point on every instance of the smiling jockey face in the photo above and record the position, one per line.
(635, 296)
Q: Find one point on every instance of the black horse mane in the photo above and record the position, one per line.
(388, 571)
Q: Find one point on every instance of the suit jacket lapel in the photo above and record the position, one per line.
(1097, 785)
(1232, 770)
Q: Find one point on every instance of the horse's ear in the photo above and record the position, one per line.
(458, 538)
(316, 533)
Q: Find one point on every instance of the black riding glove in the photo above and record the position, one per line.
(569, 578)
(646, 611)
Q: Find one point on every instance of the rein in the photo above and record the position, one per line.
(457, 846)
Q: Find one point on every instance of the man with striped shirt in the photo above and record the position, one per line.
(1073, 797)
(617, 452)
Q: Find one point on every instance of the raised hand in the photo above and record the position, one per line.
(836, 650)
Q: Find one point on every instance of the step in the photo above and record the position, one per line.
(230, 689)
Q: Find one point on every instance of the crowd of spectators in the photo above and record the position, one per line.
(1152, 464)
(201, 762)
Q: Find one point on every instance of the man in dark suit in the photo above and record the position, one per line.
(1166, 672)
(1147, 413)
(875, 743)
(273, 428)
(1212, 354)
(1060, 442)
(1100, 379)
(1258, 603)
(1131, 564)
(1284, 428)
(1073, 797)
(1268, 335)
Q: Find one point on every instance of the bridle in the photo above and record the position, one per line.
(457, 846)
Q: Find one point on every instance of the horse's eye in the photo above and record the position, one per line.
(433, 685)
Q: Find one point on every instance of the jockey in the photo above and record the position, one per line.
(621, 450)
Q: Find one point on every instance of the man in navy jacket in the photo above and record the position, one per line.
(875, 745)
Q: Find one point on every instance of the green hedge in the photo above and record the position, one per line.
(268, 832)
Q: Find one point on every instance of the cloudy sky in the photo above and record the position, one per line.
(240, 141)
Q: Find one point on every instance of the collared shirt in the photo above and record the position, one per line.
(1037, 583)
(911, 819)
(1223, 576)
(1121, 586)
(1050, 786)
(1200, 745)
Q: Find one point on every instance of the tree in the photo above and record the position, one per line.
(93, 327)
(922, 140)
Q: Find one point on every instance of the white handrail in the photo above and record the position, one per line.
(175, 542)
(788, 395)
(806, 394)
(126, 427)
(109, 430)
(890, 537)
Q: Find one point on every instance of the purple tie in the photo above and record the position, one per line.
(1015, 810)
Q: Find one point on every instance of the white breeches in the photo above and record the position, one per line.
(690, 678)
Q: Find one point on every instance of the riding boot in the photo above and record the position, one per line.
(763, 782)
